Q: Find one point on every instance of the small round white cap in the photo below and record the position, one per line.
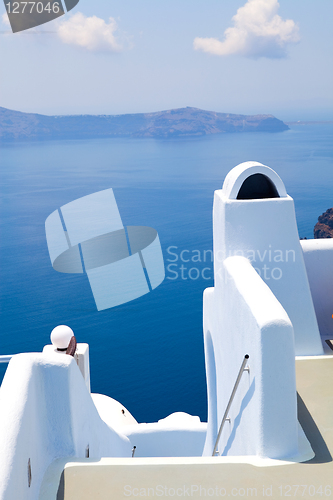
(61, 336)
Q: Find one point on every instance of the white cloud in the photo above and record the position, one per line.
(91, 33)
(258, 31)
(5, 19)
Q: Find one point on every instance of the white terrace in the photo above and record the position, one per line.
(270, 419)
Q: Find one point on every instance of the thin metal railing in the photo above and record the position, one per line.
(6, 358)
(225, 416)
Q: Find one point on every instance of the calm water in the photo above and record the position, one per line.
(148, 353)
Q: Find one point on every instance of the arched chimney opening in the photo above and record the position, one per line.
(256, 187)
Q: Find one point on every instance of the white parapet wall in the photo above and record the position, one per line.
(241, 318)
(81, 357)
(261, 305)
(47, 413)
(264, 230)
(318, 258)
(177, 435)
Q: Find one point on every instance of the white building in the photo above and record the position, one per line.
(59, 441)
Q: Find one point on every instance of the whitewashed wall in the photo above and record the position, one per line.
(260, 305)
(246, 318)
(265, 231)
(178, 435)
(318, 257)
(46, 412)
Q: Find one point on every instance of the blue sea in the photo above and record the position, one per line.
(147, 353)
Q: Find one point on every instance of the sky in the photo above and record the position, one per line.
(133, 56)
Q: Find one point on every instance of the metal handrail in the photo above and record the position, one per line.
(225, 416)
(5, 358)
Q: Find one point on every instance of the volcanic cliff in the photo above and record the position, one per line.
(324, 226)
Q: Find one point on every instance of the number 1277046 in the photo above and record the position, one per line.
(30, 7)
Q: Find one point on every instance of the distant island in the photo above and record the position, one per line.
(18, 126)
